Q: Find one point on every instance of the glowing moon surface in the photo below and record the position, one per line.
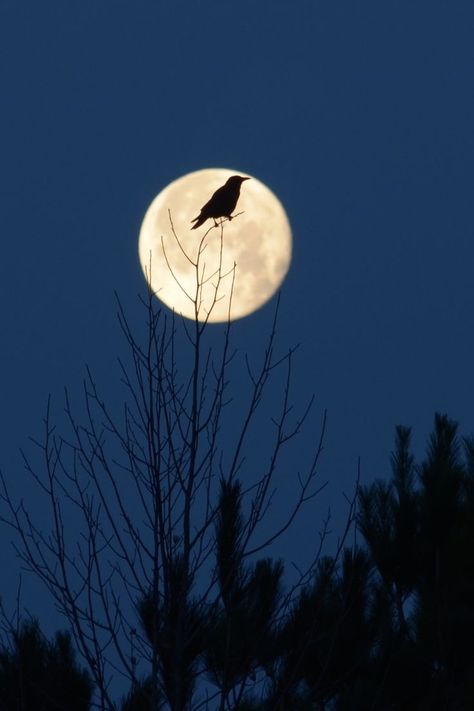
(234, 268)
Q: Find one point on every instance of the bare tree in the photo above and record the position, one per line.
(136, 498)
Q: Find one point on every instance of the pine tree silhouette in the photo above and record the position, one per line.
(38, 675)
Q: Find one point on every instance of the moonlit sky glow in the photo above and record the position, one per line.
(257, 242)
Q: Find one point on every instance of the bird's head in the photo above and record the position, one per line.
(236, 180)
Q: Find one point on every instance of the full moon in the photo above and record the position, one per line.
(214, 273)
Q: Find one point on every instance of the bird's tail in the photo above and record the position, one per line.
(199, 220)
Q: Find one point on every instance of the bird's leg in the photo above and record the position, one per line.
(216, 224)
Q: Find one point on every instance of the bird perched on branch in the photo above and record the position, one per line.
(222, 203)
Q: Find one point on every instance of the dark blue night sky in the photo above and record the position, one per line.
(358, 115)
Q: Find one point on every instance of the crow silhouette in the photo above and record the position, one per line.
(222, 203)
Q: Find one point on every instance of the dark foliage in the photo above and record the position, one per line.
(385, 625)
(176, 629)
(390, 626)
(142, 698)
(241, 638)
(419, 531)
(38, 675)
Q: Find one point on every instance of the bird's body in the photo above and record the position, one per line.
(222, 203)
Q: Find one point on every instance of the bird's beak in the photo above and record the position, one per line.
(245, 178)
